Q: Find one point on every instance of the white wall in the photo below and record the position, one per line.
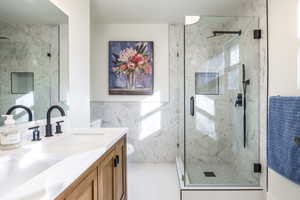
(281, 188)
(103, 33)
(79, 59)
(282, 77)
(283, 47)
(64, 63)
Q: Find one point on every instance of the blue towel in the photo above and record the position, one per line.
(284, 127)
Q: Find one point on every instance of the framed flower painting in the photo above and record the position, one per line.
(131, 68)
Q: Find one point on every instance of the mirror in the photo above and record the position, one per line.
(33, 57)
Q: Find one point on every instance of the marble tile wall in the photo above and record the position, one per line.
(176, 52)
(259, 8)
(245, 157)
(26, 51)
(207, 133)
(154, 127)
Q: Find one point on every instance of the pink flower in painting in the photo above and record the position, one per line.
(123, 67)
(139, 59)
(127, 54)
(131, 66)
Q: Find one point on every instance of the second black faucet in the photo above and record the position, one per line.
(48, 125)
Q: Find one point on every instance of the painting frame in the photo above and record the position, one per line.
(146, 80)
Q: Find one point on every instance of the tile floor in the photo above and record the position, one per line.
(225, 175)
(152, 182)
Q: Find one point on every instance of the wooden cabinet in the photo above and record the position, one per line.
(106, 179)
(120, 171)
(87, 189)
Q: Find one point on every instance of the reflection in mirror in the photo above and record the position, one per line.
(33, 57)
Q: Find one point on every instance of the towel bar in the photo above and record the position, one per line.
(297, 141)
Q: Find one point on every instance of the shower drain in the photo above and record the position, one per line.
(209, 174)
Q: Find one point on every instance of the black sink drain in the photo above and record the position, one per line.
(209, 174)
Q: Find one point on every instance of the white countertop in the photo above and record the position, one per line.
(42, 170)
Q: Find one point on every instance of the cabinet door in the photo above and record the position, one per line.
(120, 170)
(106, 171)
(87, 189)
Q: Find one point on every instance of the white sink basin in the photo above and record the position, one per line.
(42, 155)
(87, 134)
(68, 144)
(24, 169)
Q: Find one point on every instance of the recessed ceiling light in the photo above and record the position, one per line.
(191, 19)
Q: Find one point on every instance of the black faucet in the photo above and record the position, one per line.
(10, 110)
(49, 126)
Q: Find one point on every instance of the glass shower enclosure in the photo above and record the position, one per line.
(220, 144)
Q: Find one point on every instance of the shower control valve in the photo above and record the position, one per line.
(239, 100)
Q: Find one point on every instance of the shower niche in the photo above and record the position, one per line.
(206, 83)
(22, 82)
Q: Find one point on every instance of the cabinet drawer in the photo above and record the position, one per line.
(87, 189)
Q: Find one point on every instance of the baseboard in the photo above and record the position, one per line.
(223, 195)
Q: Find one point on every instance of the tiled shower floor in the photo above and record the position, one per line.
(225, 175)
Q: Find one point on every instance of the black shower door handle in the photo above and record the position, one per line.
(192, 106)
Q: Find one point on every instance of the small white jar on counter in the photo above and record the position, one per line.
(10, 139)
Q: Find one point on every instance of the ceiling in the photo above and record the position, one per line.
(160, 11)
(120, 11)
(31, 12)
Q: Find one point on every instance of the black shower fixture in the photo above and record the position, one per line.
(245, 84)
(4, 38)
(241, 101)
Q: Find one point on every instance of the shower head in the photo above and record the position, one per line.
(4, 38)
(219, 33)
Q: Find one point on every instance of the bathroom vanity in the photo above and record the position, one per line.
(82, 164)
(103, 180)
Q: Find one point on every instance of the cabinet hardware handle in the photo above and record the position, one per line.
(115, 162)
(118, 159)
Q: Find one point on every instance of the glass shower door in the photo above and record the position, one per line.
(221, 102)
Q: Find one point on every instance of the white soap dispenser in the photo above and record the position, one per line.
(9, 120)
